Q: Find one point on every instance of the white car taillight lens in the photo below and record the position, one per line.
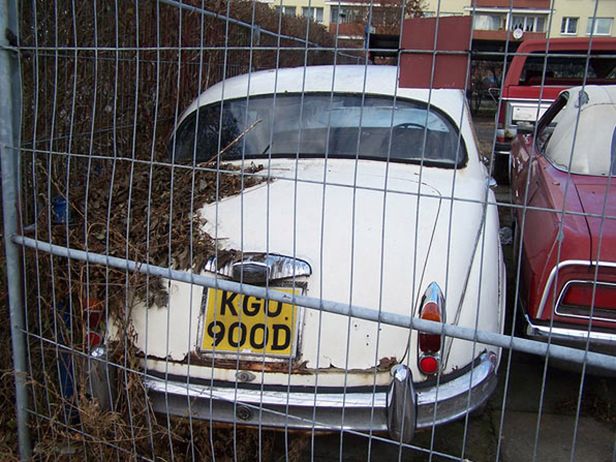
(429, 345)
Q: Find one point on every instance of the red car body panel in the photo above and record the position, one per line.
(532, 93)
(598, 198)
(555, 228)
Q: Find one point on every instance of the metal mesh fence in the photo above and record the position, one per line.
(271, 231)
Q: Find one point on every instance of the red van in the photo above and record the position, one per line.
(538, 72)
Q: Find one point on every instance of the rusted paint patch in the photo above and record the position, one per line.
(297, 367)
(386, 363)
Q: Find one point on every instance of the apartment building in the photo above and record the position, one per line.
(493, 20)
(519, 19)
(317, 10)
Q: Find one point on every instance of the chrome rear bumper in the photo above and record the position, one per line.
(361, 411)
(598, 341)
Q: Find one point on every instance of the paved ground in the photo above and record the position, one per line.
(523, 421)
(535, 414)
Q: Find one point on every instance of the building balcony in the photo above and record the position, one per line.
(517, 4)
(503, 35)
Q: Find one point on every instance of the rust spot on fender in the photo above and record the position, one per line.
(386, 363)
(297, 367)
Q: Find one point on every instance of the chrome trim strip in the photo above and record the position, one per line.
(280, 398)
(557, 267)
(531, 100)
(577, 316)
(457, 388)
(534, 330)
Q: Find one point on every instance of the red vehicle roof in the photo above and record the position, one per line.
(574, 45)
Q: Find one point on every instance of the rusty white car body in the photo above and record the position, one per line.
(389, 213)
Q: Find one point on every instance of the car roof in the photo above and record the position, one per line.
(571, 43)
(589, 120)
(595, 94)
(359, 79)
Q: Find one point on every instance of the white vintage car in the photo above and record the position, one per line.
(377, 198)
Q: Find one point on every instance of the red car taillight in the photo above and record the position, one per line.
(579, 294)
(429, 345)
(92, 317)
(500, 135)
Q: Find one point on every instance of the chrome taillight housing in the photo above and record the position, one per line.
(258, 268)
(432, 308)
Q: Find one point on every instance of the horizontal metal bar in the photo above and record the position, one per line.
(197, 48)
(345, 309)
(340, 50)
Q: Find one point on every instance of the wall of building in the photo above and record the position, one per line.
(578, 10)
(581, 10)
(299, 4)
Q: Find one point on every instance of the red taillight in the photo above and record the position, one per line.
(429, 345)
(92, 311)
(580, 295)
(501, 116)
(429, 365)
(500, 135)
(94, 339)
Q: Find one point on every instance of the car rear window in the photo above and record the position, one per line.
(319, 125)
(584, 143)
(563, 69)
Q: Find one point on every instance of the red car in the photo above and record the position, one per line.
(564, 190)
(534, 81)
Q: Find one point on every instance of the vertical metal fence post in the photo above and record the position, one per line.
(10, 95)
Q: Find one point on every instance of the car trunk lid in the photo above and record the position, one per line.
(366, 247)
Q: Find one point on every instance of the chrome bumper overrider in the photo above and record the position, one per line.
(395, 410)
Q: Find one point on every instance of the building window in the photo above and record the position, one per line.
(316, 14)
(599, 26)
(489, 21)
(527, 23)
(568, 26)
(286, 10)
(348, 15)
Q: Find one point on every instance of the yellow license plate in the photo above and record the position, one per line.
(241, 323)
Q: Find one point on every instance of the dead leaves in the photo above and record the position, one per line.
(144, 213)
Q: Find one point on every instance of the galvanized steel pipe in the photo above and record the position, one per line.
(393, 319)
(10, 107)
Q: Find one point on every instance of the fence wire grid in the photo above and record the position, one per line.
(321, 230)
